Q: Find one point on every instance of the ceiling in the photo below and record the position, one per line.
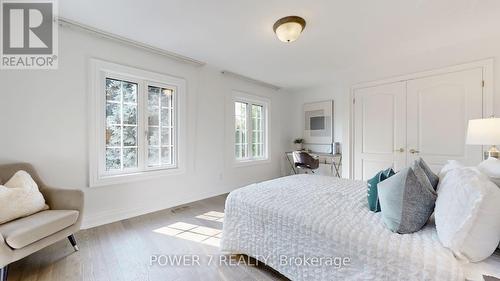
(236, 35)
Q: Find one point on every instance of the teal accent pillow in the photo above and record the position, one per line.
(407, 200)
(373, 202)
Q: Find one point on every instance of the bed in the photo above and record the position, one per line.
(288, 221)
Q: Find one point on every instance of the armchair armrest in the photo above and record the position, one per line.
(63, 199)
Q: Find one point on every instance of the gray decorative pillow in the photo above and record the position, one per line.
(433, 178)
(407, 200)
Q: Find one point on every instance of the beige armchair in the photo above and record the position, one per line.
(24, 236)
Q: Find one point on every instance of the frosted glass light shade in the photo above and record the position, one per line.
(288, 29)
(484, 131)
(289, 32)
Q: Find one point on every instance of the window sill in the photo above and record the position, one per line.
(105, 180)
(251, 162)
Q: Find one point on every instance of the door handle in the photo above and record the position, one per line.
(400, 150)
(414, 151)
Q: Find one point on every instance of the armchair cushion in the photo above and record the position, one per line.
(24, 231)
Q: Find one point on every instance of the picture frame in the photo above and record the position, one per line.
(318, 124)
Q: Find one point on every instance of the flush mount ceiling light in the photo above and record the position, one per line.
(288, 29)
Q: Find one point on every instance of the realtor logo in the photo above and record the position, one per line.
(29, 34)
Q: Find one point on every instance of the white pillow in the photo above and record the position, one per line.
(491, 168)
(450, 165)
(20, 197)
(467, 214)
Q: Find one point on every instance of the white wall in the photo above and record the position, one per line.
(43, 120)
(377, 68)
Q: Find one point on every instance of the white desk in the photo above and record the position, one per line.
(333, 160)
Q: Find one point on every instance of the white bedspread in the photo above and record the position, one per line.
(316, 216)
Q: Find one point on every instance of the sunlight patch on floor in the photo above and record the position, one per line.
(196, 233)
(212, 216)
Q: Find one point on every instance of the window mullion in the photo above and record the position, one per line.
(173, 125)
(141, 128)
(249, 131)
(146, 124)
(121, 126)
(263, 126)
(160, 149)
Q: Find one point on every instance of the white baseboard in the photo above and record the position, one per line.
(115, 215)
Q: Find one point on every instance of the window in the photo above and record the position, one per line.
(121, 125)
(241, 140)
(250, 127)
(136, 124)
(161, 130)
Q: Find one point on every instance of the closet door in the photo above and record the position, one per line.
(438, 111)
(379, 129)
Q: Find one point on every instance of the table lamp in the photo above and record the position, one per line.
(485, 132)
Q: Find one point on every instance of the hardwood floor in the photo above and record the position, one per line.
(124, 250)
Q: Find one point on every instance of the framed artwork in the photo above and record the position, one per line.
(318, 123)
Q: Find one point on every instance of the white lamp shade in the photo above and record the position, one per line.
(484, 131)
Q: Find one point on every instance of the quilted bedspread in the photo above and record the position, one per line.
(311, 227)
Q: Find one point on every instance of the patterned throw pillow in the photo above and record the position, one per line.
(373, 202)
(407, 200)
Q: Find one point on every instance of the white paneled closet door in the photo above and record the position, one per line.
(380, 129)
(394, 124)
(438, 111)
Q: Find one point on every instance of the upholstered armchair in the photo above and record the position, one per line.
(24, 236)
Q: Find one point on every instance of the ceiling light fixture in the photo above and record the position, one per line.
(288, 29)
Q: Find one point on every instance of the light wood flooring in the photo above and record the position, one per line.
(123, 250)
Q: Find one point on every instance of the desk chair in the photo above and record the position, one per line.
(304, 160)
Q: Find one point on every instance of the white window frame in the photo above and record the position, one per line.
(99, 71)
(255, 100)
(175, 159)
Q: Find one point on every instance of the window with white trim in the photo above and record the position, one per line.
(161, 129)
(121, 125)
(137, 126)
(250, 128)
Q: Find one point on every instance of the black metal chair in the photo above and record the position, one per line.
(304, 160)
